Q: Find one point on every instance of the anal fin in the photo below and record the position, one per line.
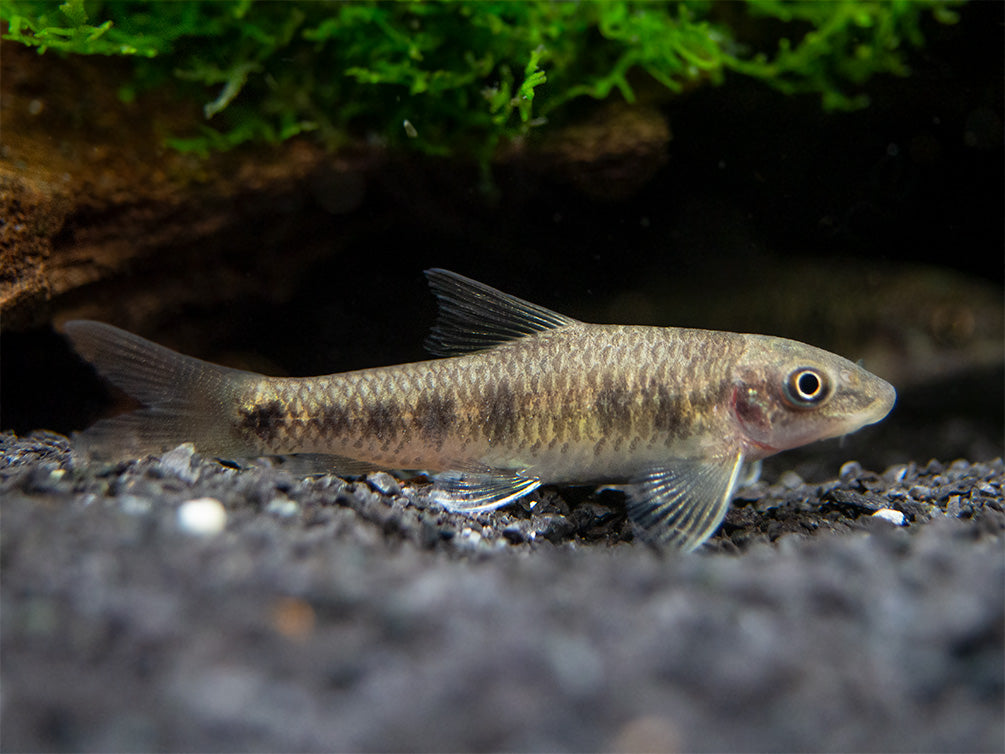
(683, 503)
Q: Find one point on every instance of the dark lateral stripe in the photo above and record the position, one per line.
(263, 420)
(612, 403)
(500, 412)
(434, 418)
(334, 420)
(383, 419)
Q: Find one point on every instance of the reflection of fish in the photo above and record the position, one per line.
(910, 324)
(529, 396)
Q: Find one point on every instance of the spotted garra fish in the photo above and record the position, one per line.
(524, 397)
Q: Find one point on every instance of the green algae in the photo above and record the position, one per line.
(455, 78)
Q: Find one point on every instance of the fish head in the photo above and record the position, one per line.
(786, 394)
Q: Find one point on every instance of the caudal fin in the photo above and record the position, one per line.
(185, 399)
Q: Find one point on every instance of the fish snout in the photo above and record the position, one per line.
(882, 404)
(874, 395)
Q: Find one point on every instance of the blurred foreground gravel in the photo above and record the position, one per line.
(320, 614)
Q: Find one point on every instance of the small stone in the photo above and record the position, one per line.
(555, 528)
(513, 535)
(850, 470)
(889, 514)
(855, 500)
(179, 462)
(469, 538)
(896, 474)
(283, 506)
(934, 467)
(203, 516)
(790, 480)
(383, 483)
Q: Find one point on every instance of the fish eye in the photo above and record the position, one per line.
(806, 387)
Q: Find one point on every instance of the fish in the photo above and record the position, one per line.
(519, 396)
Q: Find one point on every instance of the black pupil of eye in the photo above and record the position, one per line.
(808, 384)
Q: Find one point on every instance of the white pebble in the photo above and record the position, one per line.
(850, 469)
(283, 506)
(790, 480)
(469, 538)
(889, 514)
(204, 516)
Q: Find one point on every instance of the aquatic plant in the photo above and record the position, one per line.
(456, 77)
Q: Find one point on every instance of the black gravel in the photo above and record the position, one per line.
(351, 615)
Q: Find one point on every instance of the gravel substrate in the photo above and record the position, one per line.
(177, 603)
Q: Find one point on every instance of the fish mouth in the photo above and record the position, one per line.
(882, 404)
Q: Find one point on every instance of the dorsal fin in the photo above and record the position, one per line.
(473, 316)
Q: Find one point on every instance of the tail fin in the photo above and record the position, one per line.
(185, 399)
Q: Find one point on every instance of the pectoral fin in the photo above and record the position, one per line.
(480, 490)
(683, 504)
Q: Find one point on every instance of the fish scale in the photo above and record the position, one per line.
(524, 396)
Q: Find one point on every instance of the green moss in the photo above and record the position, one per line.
(456, 77)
